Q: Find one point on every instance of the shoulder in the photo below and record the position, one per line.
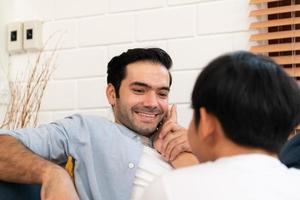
(79, 124)
(294, 172)
(200, 174)
(85, 120)
(189, 172)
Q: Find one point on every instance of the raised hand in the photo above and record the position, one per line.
(172, 138)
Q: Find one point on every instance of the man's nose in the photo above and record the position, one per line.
(151, 100)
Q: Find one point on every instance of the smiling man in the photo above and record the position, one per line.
(112, 160)
(142, 100)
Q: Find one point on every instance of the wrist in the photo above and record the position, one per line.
(54, 171)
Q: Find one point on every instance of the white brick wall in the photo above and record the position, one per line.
(121, 5)
(165, 23)
(60, 95)
(63, 33)
(106, 30)
(183, 81)
(82, 63)
(33, 9)
(232, 15)
(91, 93)
(195, 53)
(93, 31)
(79, 8)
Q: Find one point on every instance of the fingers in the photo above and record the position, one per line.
(158, 144)
(167, 128)
(170, 137)
(171, 116)
(168, 114)
(175, 143)
(173, 113)
(178, 149)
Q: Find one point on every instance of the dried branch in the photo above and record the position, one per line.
(27, 92)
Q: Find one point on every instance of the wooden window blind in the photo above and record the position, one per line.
(278, 33)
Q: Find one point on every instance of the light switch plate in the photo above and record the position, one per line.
(15, 37)
(32, 34)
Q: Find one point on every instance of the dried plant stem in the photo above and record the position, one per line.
(27, 93)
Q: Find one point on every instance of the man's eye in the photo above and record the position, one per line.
(138, 91)
(163, 94)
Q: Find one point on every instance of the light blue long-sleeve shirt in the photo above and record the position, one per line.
(106, 154)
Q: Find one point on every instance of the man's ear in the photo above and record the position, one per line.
(111, 94)
(207, 125)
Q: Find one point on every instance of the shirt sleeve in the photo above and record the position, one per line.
(50, 141)
(156, 190)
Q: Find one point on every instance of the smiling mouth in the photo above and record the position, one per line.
(147, 115)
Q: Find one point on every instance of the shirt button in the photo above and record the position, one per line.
(131, 165)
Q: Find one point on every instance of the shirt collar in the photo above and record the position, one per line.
(143, 139)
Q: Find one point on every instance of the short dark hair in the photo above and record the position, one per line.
(256, 102)
(116, 69)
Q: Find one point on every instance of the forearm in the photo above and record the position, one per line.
(184, 159)
(18, 164)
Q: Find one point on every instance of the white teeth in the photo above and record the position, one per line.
(146, 114)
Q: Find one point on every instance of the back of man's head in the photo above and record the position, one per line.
(256, 102)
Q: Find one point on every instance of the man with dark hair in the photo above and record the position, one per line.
(140, 63)
(112, 160)
(245, 107)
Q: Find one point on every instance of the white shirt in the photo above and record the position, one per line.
(243, 177)
(150, 167)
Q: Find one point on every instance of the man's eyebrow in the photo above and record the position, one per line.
(140, 84)
(165, 88)
(147, 86)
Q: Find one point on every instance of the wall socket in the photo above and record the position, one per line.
(15, 37)
(24, 36)
(32, 35)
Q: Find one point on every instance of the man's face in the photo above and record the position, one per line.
(143, 99)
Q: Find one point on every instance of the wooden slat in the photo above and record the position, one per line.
(276, 22)
(275, 35)
(284, 60)
(261, 1)
(275, 48)
(293, 72)
(275, 10)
